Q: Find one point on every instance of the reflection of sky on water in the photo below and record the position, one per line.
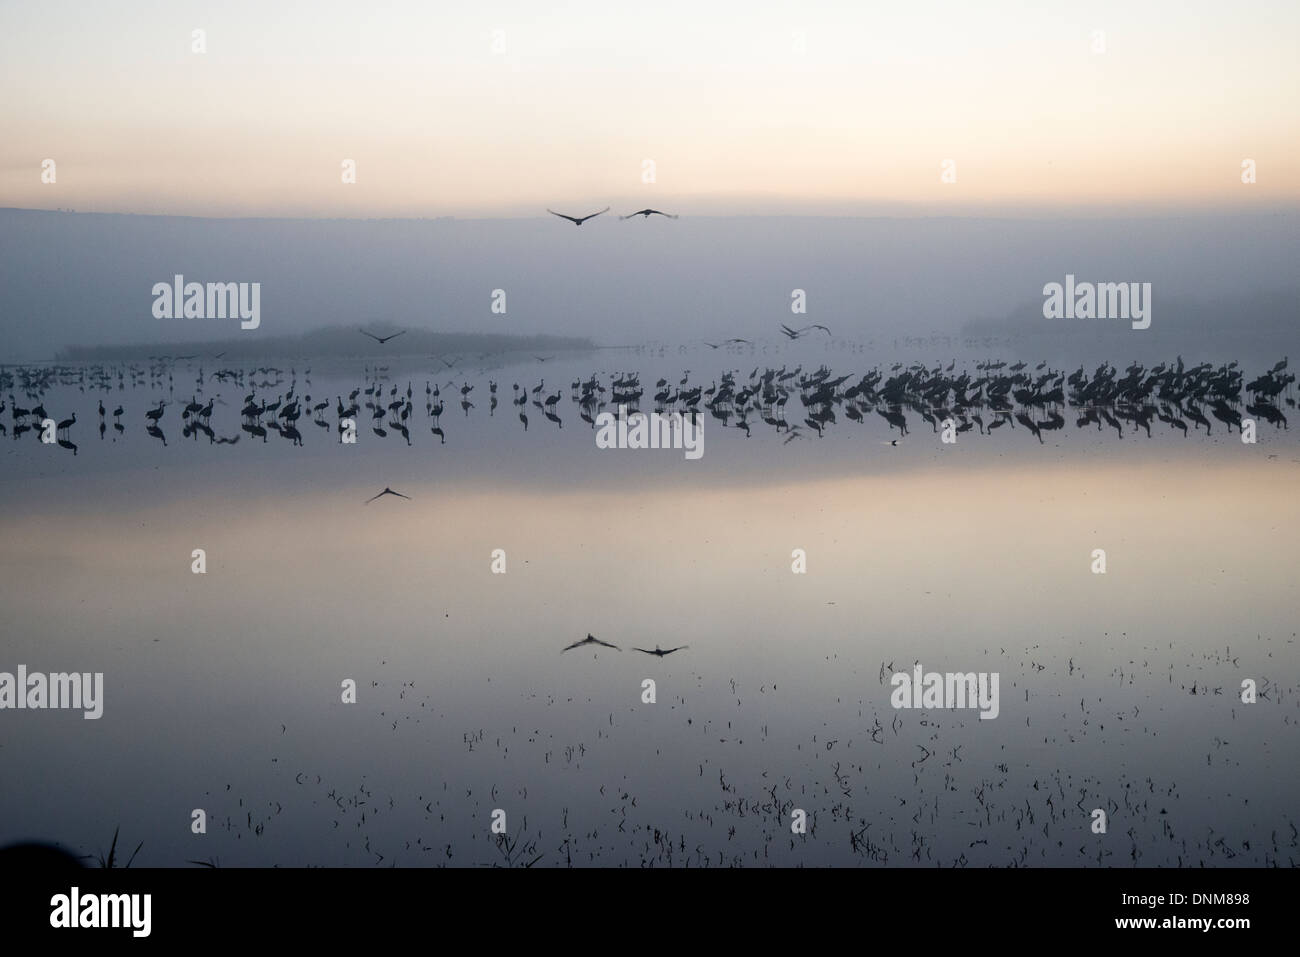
(943, 555)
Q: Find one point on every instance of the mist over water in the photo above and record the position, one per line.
(680, 281)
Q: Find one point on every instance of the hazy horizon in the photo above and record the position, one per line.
(656, 280)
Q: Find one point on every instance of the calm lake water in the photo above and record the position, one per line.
(1119, 691)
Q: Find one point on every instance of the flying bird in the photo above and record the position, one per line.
(386, 491)
(796, 333)
(647, 213)
(660, 652)
(576, 220)
(381, 339)
(590, 640)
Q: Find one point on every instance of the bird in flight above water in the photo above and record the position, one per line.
(796, 333)
(590, 640)
(381, 339)
(661, 651)
(543, 358)
(576, 220)
(386, 491)
(647, 213)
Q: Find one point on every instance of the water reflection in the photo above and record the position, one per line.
(222, 691)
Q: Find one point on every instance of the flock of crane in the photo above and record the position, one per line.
(992, 395)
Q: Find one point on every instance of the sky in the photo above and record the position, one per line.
(1100, 139)
(504, 109)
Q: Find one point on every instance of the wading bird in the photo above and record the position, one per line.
(660, 652)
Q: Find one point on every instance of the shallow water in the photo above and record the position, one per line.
(222, 691)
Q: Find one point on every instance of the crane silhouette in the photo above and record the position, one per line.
(381, 339)
(796, 333)
(589, 640)
(386, 491)
(660, 652)
(647, 213)
(577, 220)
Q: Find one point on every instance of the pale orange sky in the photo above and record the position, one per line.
(742, 107)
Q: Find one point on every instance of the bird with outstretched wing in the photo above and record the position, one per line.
(386, 491)
(589, 640)
(381, 339)
(647, 213)
(577, 220)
